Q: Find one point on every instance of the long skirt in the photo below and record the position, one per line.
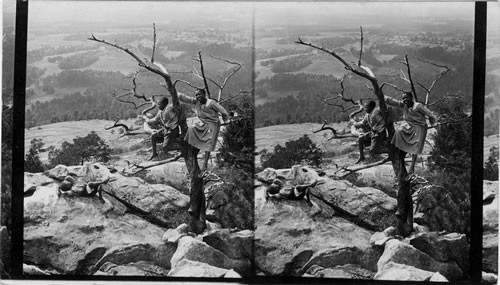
(410, 138)
(203, 136)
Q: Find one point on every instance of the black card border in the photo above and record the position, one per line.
(479, 72)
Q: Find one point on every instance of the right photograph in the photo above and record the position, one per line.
(363, 140)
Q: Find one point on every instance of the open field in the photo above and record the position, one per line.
(274, 95)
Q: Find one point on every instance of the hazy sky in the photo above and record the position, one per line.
(128, 12)
(359, 12)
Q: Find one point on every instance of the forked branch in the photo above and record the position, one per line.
(441, 74)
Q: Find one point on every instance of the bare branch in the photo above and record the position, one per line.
(187, 83)
(440, 75)
(413, 90)
(154, 44)
(393, 86)
(153, 105)
(448, 97)
(202, 68)
(133, 55)
(361, 167)
(336, 135)
(241, 92)
(361, 49)
(143, 167)
(118, 125)
(226, 79)
(369, 76)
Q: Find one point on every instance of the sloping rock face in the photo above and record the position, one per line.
(490, 226)
(158, 203)
(402, 272)
(402, 253)
(291, 236)
(80, 235)
(192, 249)
(366, 203)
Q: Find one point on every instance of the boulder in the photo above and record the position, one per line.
(489, 278)
(402, 272)
(70, 234)
(233, 244)
(347, 271)
(289, 233)
(232, 274)
(189, 248)
(490, 252)
(141, 268)
(448, 247)
(174, 174)
(331, 257)
(437, 277)
(33, 270)
(490, 226)
(402, 253)
(159, 255)
(380, 177)
(189, 268)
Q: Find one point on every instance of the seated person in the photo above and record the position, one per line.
(376, 136)
(168, 122)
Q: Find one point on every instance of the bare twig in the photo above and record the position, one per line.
(118, 125)
(361, 167)
(202, 68)
(325, 127)
(412, 84)
(187, 83)
(439, 76)
(361, 49)
(231, 73)
(393, 86)
(156, 163)
(154, 44)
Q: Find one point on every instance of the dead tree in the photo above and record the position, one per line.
(404, 212)
(188, 152)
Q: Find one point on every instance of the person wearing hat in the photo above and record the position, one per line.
(376, 136)
(409, 137)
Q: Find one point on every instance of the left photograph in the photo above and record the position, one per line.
(139, 139)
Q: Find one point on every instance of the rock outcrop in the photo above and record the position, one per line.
(292, 236)
(327, 239)
(490, 226)
(127, 234)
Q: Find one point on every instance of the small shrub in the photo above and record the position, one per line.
(294, 152)
(491, 166)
